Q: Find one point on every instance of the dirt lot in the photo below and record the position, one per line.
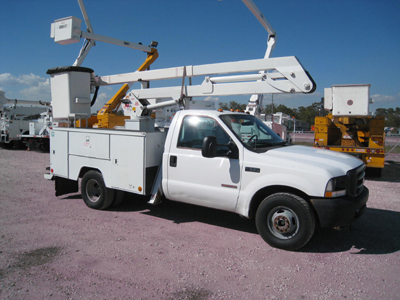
(57, 248)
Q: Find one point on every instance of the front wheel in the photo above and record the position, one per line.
(94, 191)
(285, 221)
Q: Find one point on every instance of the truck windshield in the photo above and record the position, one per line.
(253, 133)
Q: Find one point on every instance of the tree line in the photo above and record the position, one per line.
(308, 114)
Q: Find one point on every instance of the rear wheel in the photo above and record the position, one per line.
(94, 191)
(285, 221)
(8, 145)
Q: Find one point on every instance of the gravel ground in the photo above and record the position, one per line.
(57, 248)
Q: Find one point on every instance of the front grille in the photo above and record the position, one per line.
(355, 179)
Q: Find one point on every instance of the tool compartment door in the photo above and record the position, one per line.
(127, 163)
(89, 144)
(59, 153)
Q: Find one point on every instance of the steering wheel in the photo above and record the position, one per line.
(253, 136)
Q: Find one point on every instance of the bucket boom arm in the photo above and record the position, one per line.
(280, 75)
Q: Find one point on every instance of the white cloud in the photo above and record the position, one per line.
(102, 98)
(383, 98)
(26, 86)
(216, 99)
(8, 79)
(31, 79)
(39, 91)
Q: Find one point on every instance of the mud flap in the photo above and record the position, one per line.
(65, 186)
(156, 191)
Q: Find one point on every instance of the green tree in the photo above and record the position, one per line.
(223, 105)
(286, 110)
(309, 113)
(268, 109)
(392, 116)
(232, 105)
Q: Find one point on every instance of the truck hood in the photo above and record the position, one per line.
(335, 162)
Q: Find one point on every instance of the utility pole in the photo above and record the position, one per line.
(272, 96)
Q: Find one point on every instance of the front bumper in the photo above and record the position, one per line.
(340, 212)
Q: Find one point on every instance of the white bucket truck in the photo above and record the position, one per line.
(223, 160)
(16, 118)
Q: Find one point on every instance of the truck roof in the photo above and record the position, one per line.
(214, 113)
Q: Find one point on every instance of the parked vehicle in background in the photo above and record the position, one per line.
(350, 127)
(15, 119)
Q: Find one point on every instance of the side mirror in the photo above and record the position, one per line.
(233, 150)
(209, 147)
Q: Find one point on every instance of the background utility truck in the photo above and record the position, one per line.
(16, 118)
(38, 136)
(223, 160)
(350, 127)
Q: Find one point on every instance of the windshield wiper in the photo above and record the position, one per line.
(268, 144)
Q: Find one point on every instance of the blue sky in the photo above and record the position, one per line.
(338, 42)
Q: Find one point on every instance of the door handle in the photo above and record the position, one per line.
(173, 160)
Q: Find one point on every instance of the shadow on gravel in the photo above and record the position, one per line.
(71, 197)
(376, 232)
(390, 172)
(182, 213)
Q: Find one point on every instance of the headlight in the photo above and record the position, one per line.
(336, 187)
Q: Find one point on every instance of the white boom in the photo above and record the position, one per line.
(273, 75)
(14, 102)
(279, 75)
(264, 22)
(68, 30)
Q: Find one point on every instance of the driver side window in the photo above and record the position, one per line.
(195, 128)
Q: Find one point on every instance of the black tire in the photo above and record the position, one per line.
(94, 192)
(285, 221)
(374, 172)
(118, 197)
(9, 145)
(45, 146)
(20, 145)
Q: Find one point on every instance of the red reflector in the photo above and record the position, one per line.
(368, 151)
(377, 151)
(328, 148)
(51, 170)
(352, 150)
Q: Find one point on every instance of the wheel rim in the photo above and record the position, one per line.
(283, 222)
(93, 190)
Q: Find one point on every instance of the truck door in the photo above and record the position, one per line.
(192, 178)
